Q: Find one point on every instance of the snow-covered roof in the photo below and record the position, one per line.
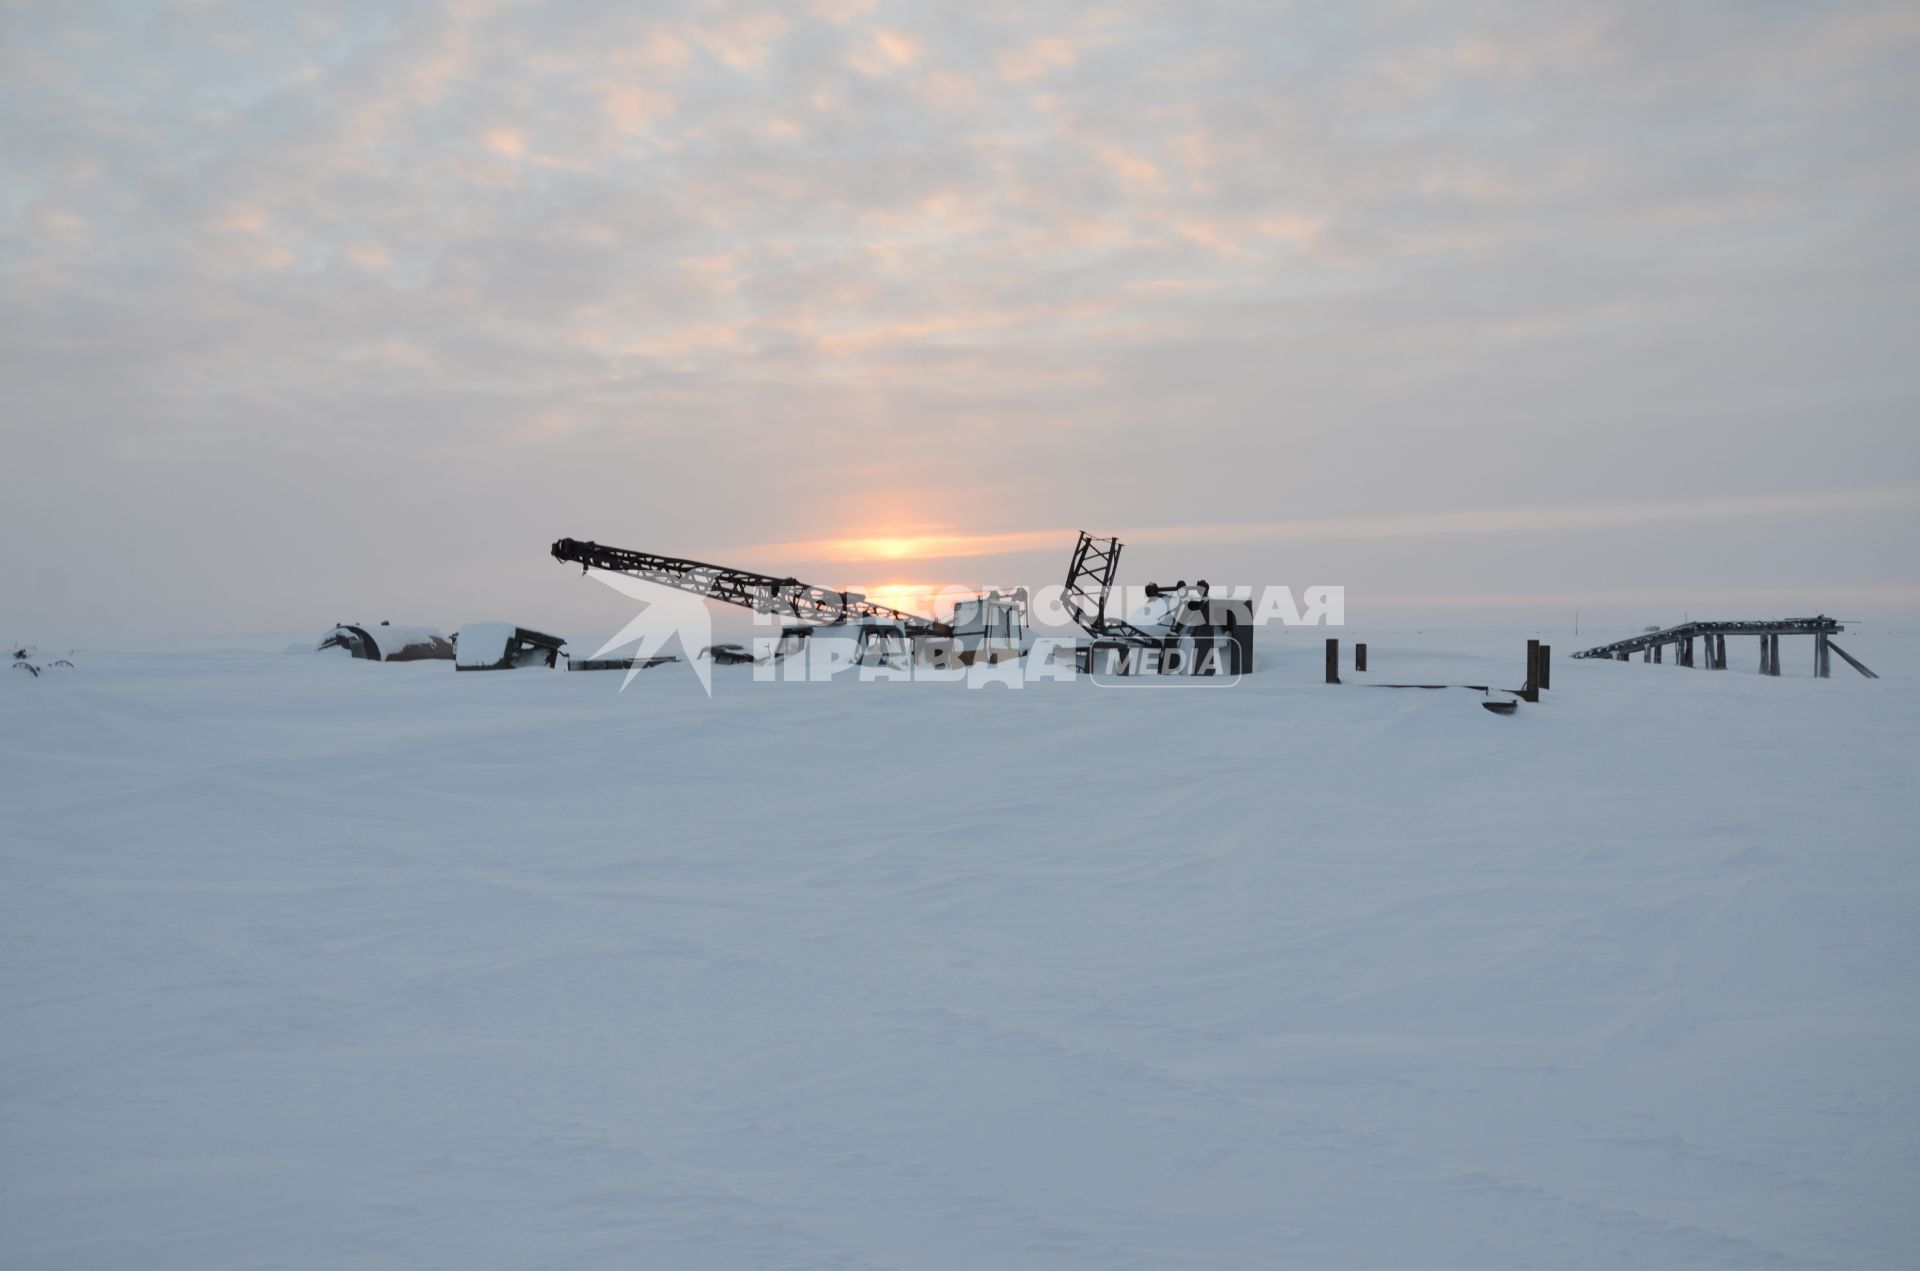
(483, 643)
(387, 643)
(481, 646)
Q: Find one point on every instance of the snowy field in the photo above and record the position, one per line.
(313, 963)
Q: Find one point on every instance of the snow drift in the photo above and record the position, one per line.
(308, 968)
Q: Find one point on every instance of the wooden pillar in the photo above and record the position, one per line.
(1546, 666)
(1822, 657)
(1333, 661)
(1646, 654)
(1719, 652)
(1530, 691)
(1359, 657)
(1659, 650)
(1851, 661)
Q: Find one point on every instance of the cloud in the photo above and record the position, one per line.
(805, 274)
(1033, 61)
(508, 143)
(1779, 506)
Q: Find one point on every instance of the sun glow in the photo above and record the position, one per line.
(917, 598)
(926, 546)
(888, 548)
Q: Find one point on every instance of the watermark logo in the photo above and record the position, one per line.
(666, 617)
(1187, 637)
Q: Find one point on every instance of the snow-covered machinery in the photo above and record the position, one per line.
(1182, 629)
(501, 646)
(388, 643)
(991, 626)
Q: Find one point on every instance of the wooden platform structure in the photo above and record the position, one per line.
(1704, 644)
(617, 664)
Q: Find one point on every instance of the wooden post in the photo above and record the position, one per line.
(1852, 661)
(1360, 657)
(1822, 658)
(1646, 654)
(1530, 691)
(1546, 666)
(1333, 661)
(1719, 652)
(1658, 650)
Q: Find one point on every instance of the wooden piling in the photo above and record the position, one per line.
(1822, 656)
(1333, 661)
(1851, 661)
(1546, 666)
(1530, 691)
(1360, 657)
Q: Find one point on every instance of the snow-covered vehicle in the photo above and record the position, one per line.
(502, 646)
(388, 643)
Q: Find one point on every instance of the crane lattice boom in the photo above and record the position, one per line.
(763, 593)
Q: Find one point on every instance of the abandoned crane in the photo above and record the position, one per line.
(1181, 629)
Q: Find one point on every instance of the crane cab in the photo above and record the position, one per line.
(987, 628)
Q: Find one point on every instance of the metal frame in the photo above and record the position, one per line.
(1713, 636)
(763, 593)
(1089, 580)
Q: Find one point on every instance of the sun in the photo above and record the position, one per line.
(891, 548)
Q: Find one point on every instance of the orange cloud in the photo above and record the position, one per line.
(889, 51)
(936, 546)
(745, 43)
(1127, 166)
(509, 143)
(632, 108)
(940, 545)
(1042, 57)
(241, 220)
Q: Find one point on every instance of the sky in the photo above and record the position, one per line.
(1487, 312)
